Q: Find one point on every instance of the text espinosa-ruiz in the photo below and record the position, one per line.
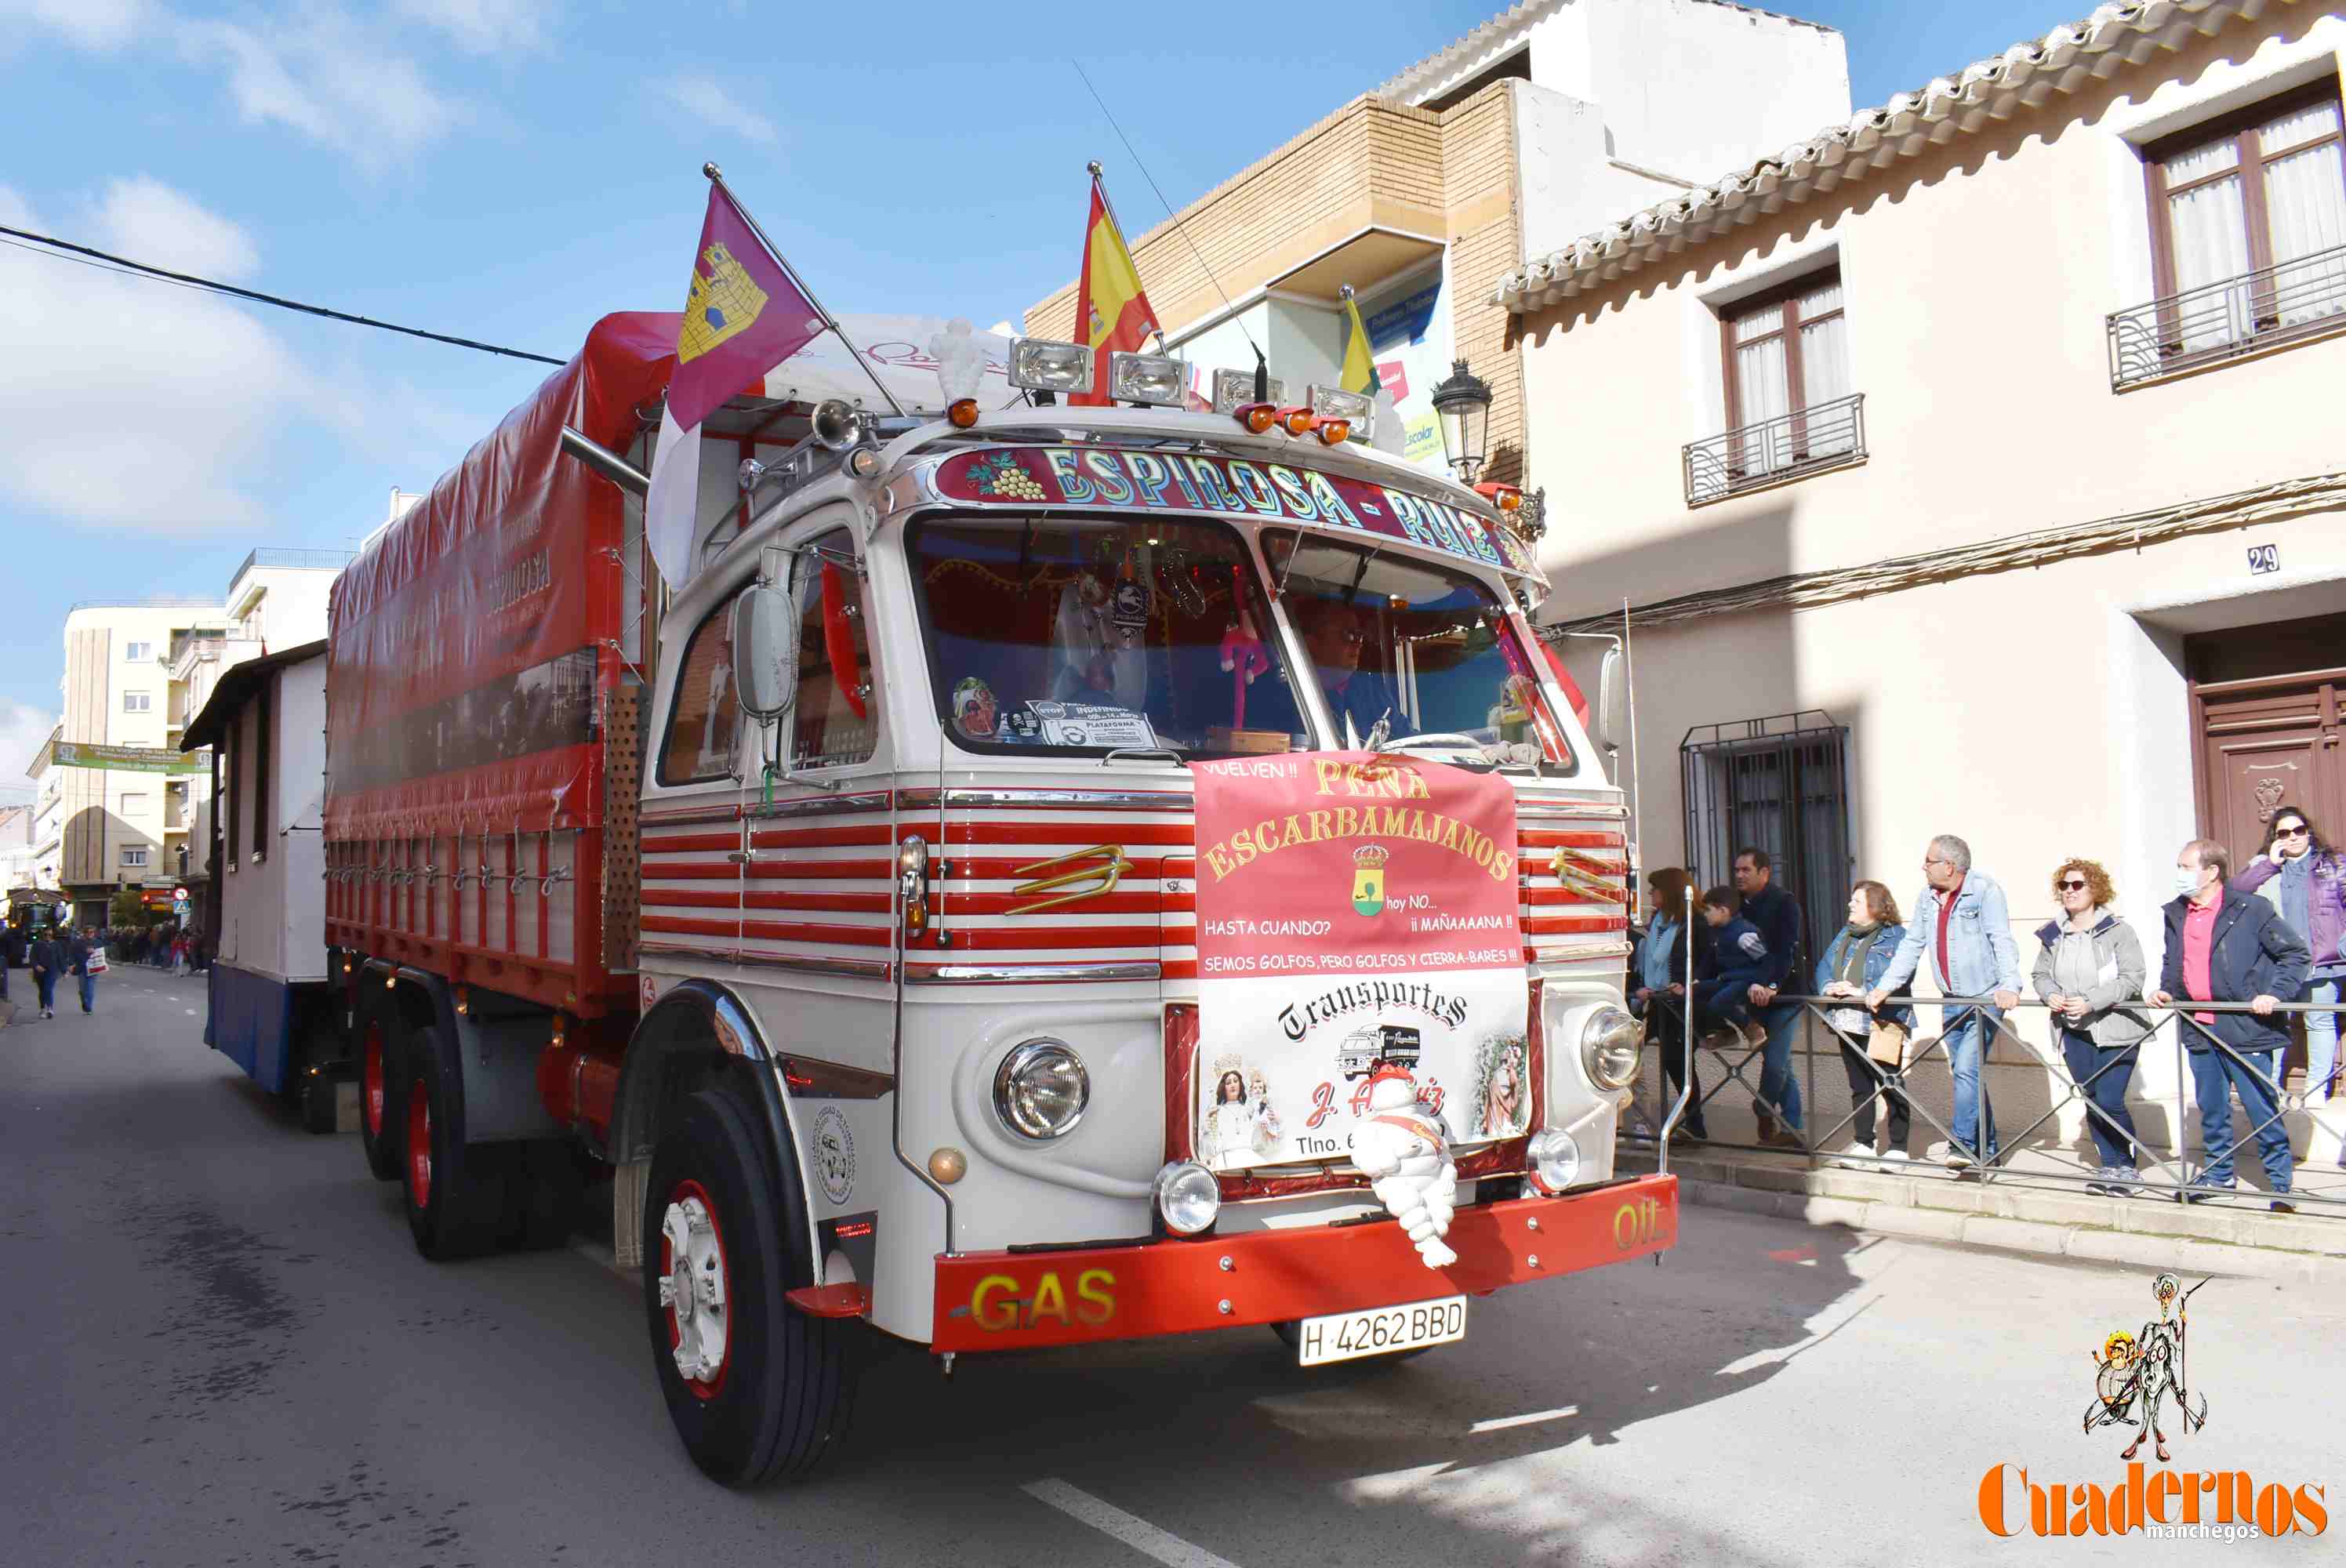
(1271, 835)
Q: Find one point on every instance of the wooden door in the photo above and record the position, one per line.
(2267, 743)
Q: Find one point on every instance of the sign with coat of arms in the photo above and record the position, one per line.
(1358, 920)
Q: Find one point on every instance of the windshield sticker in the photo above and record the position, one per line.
(1082, 724)
(1360, 947)
(1182, 482)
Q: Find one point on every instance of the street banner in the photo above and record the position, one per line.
(132, 759)
(1354, 909)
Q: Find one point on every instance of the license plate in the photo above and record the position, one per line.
(1344, 1336)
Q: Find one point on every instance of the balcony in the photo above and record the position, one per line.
(2296, 300)
(1772, 451)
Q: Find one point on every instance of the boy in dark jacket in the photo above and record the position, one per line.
(48, 959)
(1724, 976)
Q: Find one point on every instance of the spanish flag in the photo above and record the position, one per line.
(1112, 312)
(1359, 371)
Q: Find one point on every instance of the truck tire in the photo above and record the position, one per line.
(757, 1388)
(544, 1192)
(456, 1193)
(382, 1098)
(317, 1091)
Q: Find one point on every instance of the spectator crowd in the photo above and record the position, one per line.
(2255, 936)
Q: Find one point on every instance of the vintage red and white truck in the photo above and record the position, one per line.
(1045, 875)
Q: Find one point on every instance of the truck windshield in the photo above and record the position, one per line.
(1089, 635)
(1425, 648)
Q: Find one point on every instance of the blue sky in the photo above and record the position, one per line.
(511, 169)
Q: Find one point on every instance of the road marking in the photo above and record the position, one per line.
(1111, 1520)
(1501, 1423)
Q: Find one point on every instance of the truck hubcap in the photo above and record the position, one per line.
(693, 1288)
(418, 1145)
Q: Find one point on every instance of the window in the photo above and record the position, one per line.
(1782, 784)
(134, 855)
(704, 726)
(1787, 356)
(137, 702)
(2248, 222)
(139, 653)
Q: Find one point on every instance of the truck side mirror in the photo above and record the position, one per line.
(1612, 715)
(766, 652)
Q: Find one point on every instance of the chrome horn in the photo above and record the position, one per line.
(836, 425)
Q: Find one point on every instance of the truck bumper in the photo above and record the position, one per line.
(1023, 1300)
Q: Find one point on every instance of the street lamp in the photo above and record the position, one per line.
(1463, 405)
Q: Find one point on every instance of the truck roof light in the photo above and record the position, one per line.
(1045, 365)
(1357, 410)
(1258, 417)
(963, 412)
(1334, 431)
(1297, 420)
(1506, 498)
(1159, 380)
(1234, 389)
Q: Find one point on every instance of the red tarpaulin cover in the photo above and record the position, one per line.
(467, 651)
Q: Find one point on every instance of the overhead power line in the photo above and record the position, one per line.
(66, 250)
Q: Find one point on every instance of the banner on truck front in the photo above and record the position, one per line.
(1354, 909)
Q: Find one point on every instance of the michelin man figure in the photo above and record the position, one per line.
(1406, 1158)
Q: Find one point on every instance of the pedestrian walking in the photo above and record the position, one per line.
(1776, 914)
(2307, 878)
(2227, 945)
(48, 957)
(1872, 1043)
(1962, 922)
(89, 961)
(1658, 991)
(2089, 966)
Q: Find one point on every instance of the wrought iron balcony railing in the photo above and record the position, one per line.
(2219, 320)
(1822, 435)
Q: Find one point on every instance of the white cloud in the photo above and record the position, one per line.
(23, 728)
(100, 25)
(484, 26)
(131, 404)
(712, 104)
(149, 221)
(330, 79)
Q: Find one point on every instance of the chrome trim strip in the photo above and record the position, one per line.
(1019, 973)
(929, 798)
(806, 963)
(726, 813)
(1571, 951)
(819, 806)
(1554, 811)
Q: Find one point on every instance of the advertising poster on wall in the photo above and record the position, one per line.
(1356, 912)
(1409, 337)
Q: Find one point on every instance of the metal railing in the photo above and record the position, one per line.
(337, 559)
(2169, 1173)
(2217, 321)
(1821, 435)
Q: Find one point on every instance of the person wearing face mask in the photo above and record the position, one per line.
(2091, 965)
(2226, 945)
(2307, 879)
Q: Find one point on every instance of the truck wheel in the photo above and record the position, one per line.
(455, 1194)
(755, 1387)
(545, 1191)
(382, 1105)
(318, 1102)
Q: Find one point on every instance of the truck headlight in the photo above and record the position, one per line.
(1041, 1089)
(1188, 1196)
(1611, 1047)
(1554, 1159)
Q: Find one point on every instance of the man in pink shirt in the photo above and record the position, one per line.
(2228, 946)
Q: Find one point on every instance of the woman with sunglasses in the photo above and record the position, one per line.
(2091, 966)
(2311, 888)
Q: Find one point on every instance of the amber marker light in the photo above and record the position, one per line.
(1506, 498)
(1297, 420)
(1335, 432)
(963, 412)
(1258, 417)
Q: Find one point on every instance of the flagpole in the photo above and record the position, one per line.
(1099, 184)
(717, 178)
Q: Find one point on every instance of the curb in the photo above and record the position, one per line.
(2038, 1225)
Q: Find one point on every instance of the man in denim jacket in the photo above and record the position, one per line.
(1961, 920)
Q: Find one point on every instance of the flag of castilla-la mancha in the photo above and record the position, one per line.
(742, 316)
(1112, 310)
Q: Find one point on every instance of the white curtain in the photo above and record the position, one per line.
(1824, 370)
(2305, 199)
(2210, 229)
(1762, 392)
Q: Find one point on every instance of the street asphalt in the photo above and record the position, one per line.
(222, 1348)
